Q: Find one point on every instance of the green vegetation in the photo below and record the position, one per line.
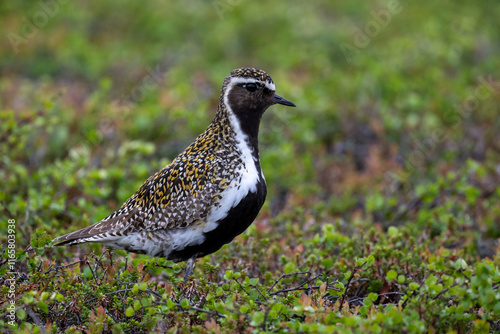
(383, 212)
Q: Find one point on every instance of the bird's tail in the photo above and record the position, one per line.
(74, 238)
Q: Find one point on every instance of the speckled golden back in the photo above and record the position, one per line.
(184, 191)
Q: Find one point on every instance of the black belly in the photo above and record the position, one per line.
(237, 220)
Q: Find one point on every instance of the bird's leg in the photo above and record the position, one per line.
(110, 251)
(189, 270)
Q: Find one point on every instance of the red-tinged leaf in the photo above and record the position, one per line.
(305, 300)
(211, 324)
(322, 288)
(101, 313)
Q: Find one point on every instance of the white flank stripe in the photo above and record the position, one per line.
(176, 239)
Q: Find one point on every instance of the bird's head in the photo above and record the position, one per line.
(248, 92)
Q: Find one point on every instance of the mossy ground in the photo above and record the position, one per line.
(383, 211)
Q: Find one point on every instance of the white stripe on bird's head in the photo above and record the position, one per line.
(239, 80)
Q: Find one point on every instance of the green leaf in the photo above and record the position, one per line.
(43, 307)
(340, 286)
(392, 231)
(254, 281)
(289, 268)
(170, 304)
(185, 303)
(87, 272)
(327, 263)
(391, 275)
(228, 275)
(372, 296)
(21, 314)
(460, 264)
(257, 319)
(130, 312)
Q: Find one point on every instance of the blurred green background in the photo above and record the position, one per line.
(387, 170)
(393, 99)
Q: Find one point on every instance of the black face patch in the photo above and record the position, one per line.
(252, 98)
(249, 105)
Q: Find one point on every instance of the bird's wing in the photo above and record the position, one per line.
(177, 196)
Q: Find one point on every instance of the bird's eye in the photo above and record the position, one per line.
(251, 87)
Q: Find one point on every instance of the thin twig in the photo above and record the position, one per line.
(108, 294)
(194, 308)
(93, 274)
(344, 295)
(287, 275)
(381, 294)
(407, 299)
(35, 318)
(242, 288)
(264, 324)
(443, 291)
(56, 268)
(110, 315)
(298, 287)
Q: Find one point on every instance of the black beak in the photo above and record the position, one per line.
(280, 100)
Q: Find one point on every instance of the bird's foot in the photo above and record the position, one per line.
(189, 270)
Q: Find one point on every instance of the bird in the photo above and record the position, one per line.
(209, 194)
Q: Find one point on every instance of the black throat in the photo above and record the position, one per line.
(249, 115)
(249, 125)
